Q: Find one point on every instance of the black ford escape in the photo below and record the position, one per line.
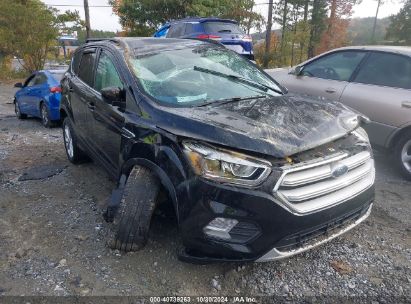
(253, 173)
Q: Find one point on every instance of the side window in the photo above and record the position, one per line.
(39, 79)
(86, 67)
(336, 66)
(189, 29)
(30, 81)
(106, 75)
(176, 30)
(386, 69)
(75, 62)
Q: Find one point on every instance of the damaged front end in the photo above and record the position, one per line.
(293, 204)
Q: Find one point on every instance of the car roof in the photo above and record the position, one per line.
(404, 50)
(202, 19)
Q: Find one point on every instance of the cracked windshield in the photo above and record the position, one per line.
(195, 76)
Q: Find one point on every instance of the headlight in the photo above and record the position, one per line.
(350, 122)
(226, 166)
(361, 134)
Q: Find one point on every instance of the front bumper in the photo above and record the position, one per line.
(345, 226)
(281, 232)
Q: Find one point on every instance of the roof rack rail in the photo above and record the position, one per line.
(100, 39)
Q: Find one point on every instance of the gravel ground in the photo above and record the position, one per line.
(52, 237)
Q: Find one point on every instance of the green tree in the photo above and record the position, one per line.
(400, 26)
(29, 29)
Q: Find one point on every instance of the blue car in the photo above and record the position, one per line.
(225, 31)
(40, 96)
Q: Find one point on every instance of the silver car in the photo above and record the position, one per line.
(374, 80)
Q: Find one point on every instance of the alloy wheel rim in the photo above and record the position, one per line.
(68, 141)
(406, 155)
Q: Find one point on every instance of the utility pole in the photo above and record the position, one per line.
(375, 22)
(87, 15)
(268, 34)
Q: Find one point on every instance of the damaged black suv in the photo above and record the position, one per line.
(253, 173)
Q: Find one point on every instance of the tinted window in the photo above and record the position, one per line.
(176, 30)
(337, 66)
(222, 27)
(40, 79)
(75, 62)
(386, 70)
(29, 82)
(189, 28)
(86, 67)
(106, 75)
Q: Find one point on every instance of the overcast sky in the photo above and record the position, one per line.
(102, 18)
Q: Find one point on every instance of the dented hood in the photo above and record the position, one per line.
(277, 126)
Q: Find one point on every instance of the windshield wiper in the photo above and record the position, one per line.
(239, 79)
(233, 99)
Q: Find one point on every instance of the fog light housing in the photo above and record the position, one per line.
(220, 228)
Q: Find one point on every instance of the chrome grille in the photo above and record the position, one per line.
(311, 186)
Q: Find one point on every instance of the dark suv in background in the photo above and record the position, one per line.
(252, 172)
(225, 31)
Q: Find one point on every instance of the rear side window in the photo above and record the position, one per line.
(176, 30)
(336, 66)
(189, 29)
(222, 27)
(384, 69)
(86, 67)
(40, 79)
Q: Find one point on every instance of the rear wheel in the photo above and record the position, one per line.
(74, 154)
(403, 155)
(17, 111)
(45, 118)
(131, 222)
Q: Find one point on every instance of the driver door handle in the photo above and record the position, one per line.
(330, 90)
(406, 104)
(91, 106)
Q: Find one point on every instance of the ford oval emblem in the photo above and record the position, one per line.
(338, 170)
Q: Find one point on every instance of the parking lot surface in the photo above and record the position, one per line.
(52, 236)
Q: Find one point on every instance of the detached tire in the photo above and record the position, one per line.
(74, 154)
(402, 154)
(131, 223)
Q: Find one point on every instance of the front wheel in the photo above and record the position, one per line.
(132, 220)
(19, 115)
(403, 155)
(74, 154)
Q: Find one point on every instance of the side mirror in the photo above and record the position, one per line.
(113, 95)
(298, 70)
(18, 85)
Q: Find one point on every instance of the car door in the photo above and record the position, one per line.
(23, 95)
(382, 91)
(39, 91)
(326, 76)
(108, 120)
(81, 94)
